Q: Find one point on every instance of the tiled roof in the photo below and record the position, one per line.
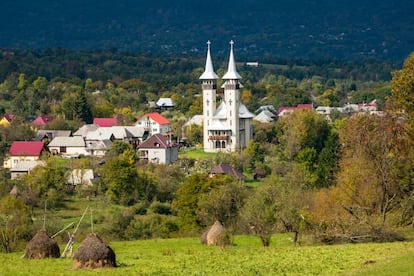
(157, 118)
(156, 141)
(105, 122)
(42, 120)
(26, 148)
(225, 168)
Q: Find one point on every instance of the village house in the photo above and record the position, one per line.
(24, 151)
(154, 123)
(158, 149)
(68, 147)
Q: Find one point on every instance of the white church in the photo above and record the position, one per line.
(229, 126)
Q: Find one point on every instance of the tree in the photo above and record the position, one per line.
(120, 179)
(188, 197)
(82, 109)
(14, 223)
(254, 153)
(260, 212)
(222, 203)
(372, 183)
(402, 87)
(46, 184)
(302, 129)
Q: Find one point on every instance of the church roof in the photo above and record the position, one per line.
(209, 73)
(218, 125)
(231, 71)
(221, 111)
(244, 112)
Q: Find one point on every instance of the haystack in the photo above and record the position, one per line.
(217, 235)
(94, 253)
(42, 246)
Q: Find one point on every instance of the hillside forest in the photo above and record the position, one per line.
(348, 180)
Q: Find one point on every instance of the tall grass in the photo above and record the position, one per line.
(186, 256)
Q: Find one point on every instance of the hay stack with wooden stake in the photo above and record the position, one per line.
(42, 246)
(217, 235)
(94, 253)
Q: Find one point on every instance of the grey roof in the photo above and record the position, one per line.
(209, 73)
(195, 120)
(265, 116)
(50, 134)
(85, 129)
(75, 141)
(231, 71)
(165, 102)
(98, 145)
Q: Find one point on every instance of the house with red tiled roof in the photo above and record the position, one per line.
(24, 151)
(105, 122)
(158, 149)
(154, 123)
(286, 110)
(42, 120)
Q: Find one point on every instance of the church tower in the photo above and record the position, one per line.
(227, 127)
(209, 86)
(232, 99)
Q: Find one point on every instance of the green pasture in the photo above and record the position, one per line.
(187, 256)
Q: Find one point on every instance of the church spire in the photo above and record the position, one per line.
(209, 73)
(231, 71)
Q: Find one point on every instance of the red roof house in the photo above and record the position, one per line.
(154, 123)
(26, 148)
(22, 151)
(105, 122)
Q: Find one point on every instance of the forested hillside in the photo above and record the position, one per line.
(290, 29)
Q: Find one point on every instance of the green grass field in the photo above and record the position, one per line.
(186, 256)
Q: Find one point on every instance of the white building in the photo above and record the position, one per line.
(228, 127)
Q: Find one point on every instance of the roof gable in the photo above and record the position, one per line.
(42, 120)
(155, 116)
(26, 148)
(156, 141)
(225, 168)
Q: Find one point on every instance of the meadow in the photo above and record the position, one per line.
(187, 256)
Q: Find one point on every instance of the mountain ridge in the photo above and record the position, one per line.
(289, 29)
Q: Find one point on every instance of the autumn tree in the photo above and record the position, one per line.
(373, 171)
(402, 88)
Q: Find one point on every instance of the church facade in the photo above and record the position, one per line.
(227, 124)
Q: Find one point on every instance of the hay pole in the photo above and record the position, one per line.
(44, 216)
(91, 220)
(57, 233)
(69, 245)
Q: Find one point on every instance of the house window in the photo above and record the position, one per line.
(62, 149)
